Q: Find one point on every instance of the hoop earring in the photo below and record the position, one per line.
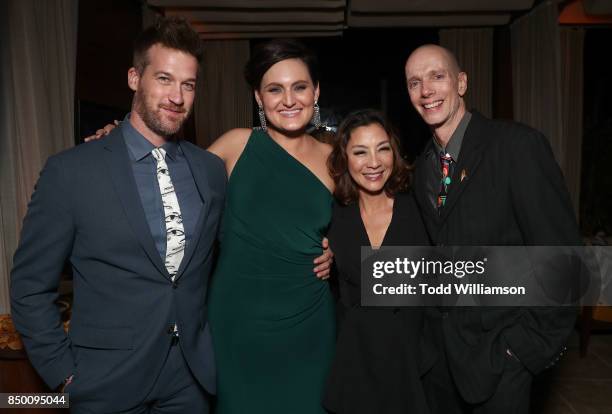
(262, 119)
(316, 116)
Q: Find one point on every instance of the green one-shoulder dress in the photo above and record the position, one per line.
(272, 320)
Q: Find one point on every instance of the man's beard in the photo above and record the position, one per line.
(152, 118)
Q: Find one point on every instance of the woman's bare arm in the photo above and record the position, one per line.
(229, 147)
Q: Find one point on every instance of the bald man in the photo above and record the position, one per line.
(486, 182)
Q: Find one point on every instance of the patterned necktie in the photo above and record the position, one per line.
(175, 232)
(445, 163)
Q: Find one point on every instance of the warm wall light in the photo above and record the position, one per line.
(573, 13)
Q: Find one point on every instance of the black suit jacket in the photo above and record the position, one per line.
(512, 193)
(86, 208)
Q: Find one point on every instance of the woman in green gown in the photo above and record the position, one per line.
(272, 320)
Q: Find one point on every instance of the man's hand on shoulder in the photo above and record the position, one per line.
(102, 132)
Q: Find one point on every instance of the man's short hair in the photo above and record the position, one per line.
(170, 32)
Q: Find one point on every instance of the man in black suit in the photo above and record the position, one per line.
(137, 214)
(501, 186)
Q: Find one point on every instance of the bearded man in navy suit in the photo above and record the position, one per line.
(137, 214)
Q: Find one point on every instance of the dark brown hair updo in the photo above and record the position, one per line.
(170, 32)
(346, 189)
(266, 54)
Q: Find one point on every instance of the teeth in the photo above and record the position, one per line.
(293, 111)
(432, 105)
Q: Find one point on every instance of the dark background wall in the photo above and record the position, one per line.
(365, 69)
(104, 55)
(596, 191)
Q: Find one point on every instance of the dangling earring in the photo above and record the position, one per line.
(262, 119)
(316, 117)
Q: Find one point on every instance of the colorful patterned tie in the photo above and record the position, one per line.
(445, 163)
(175, 232)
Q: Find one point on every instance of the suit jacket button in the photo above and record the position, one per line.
(174, 285)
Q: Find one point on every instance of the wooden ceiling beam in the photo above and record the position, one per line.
(250, 4)
(257, 16)
(431, 20)
(253, 35)
(251, 28)
(446, 6)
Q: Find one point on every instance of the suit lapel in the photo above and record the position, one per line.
(201, 180)
(122, 176)
(430, 214)
(474, 143)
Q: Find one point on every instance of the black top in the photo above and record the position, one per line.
(381, 352)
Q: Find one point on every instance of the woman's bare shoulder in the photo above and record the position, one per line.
(231, 144)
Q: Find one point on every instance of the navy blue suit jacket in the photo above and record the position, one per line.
(86, 208)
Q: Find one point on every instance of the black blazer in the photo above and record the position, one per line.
(512, 193)
(86, 208)
(381, 352)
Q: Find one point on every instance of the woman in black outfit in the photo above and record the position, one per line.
(381, 353)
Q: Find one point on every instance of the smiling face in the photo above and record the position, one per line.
(436, 88)
(370, 158)
(165, 90)
(287, 96)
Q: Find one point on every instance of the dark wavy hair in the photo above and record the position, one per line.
(266, 54)
(170, 32)
(346, 189)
